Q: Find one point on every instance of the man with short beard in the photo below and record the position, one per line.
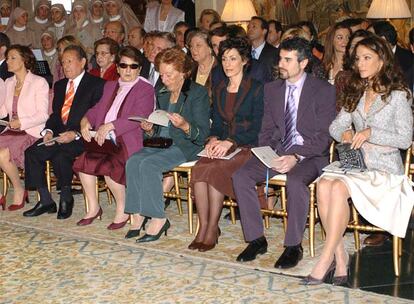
(298, 109)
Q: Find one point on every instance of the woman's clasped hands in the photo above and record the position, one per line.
(217, 148)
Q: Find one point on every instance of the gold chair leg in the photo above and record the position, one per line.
(312, 221)
(190, 204)
(177, 192)
(232, 213)
(356, 231)
(284, 207)
(109, 194)
(395, 255)
(48, 178)
(267, 221)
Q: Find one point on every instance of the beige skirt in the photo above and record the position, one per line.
(385, 200)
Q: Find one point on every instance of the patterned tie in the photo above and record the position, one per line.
(151, 75)
(253, 53)
(290, 120)
(70, 94)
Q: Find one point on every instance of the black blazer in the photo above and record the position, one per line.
(269, 56)
(248, 113)
(404, 58)
(146, 65)
(87, 95)
(4, 72)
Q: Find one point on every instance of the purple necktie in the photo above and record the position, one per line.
(290, 119)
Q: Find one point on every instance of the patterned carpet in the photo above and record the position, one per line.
(45, 260)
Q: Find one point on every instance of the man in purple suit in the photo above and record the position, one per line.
(298, 111)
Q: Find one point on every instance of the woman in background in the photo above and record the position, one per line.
(105, 52)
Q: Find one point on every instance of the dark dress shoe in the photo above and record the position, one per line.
(40, 208)
(327, 278)
(194, 245)
(65, 209)
(132, 233)
(135, 232)
(290, 257)
(255, 247)
(151, 238)
(376, 239)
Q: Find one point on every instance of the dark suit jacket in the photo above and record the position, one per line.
(316, 111)
(248, 113)
(189, 8)
(269, 57)
(404, 58)
(193, 104)
(146, 65)
(87, 95)
(4, 72)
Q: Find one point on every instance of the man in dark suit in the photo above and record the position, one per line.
(73, 97)
(4, 45)
(262, 51)
(298, 111)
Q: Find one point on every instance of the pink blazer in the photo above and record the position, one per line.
(33, 104)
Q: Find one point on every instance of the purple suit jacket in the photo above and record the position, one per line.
(315, 113)
(139, 102)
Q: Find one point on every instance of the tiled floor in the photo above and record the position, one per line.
(372, 270)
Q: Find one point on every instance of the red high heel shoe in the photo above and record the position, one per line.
(89, 220)
(3, 202)
(15, 207)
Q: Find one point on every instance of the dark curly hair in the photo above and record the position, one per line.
(26, 54)
(241, 44)
(389, 78)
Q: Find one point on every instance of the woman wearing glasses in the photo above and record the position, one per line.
(130, 96)
(105, 52)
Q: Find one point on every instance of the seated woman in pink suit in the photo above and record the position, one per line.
(131, 95)
(26, 102)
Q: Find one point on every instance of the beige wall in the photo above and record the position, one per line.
(217, 5)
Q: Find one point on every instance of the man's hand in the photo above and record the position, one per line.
(66, 137)
(48, 136)
(85, 126)
(360, 137)
(102, 132)
(284, 163)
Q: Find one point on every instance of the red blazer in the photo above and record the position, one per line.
(110, 74)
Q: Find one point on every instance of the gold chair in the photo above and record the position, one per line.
(100, 184)
(177, 192)
(357, 226)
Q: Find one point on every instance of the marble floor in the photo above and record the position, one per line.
(45, 260)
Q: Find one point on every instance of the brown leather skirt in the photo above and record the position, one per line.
(218, 172)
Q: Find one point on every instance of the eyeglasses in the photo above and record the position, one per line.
(133, 66)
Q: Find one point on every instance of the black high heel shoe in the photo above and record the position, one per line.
(150, 238)
(341, 280)
(310, 280)
(135, 232)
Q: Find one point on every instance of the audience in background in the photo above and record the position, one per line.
(162, 17)
(208, 17)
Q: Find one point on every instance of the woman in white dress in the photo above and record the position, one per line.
(377, 103)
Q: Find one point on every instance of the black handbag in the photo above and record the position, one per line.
(350, 158)
(158, 142)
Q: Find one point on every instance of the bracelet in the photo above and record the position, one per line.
(297, 157)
